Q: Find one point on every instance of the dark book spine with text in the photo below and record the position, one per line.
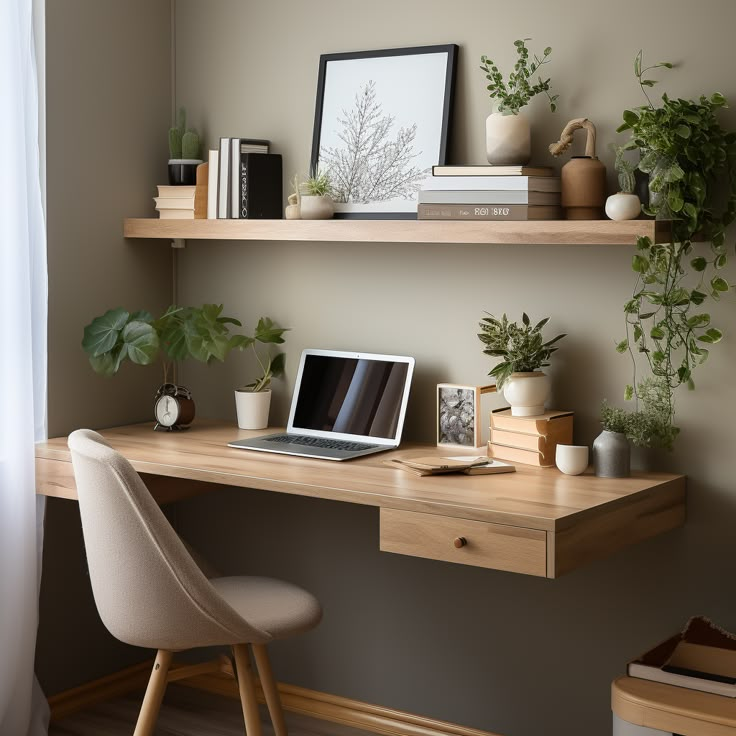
(487, 212)
(260, 186)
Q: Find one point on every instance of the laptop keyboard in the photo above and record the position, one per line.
(298, 439)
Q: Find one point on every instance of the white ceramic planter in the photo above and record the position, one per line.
(312, 207)
(508, 139)
(623, 206)
(527, 393)
(252, 408)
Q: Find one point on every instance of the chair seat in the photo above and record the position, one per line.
(279, 608)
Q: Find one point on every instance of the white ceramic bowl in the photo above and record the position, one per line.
(571, 459)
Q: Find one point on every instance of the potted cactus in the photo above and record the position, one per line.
(184, 148)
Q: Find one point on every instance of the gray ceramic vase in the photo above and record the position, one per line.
(611, 455)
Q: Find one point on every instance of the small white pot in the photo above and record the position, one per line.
(312, 207)
(508, 139)
(252, 408)
(527, 393)
(623, 206)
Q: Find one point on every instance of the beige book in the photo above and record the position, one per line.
(556, 424)
(176, 214)
(526, 457)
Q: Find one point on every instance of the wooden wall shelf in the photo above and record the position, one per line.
(548, 232)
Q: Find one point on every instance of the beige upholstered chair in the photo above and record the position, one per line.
(150, 593)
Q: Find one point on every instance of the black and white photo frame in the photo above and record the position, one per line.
(458, 414)
(382, 120)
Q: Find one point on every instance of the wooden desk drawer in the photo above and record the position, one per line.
(495, 546)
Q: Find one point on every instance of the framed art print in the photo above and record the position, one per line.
(382, 120)
(458, 409)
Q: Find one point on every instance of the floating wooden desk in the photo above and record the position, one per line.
(535, 521)
(673, 709)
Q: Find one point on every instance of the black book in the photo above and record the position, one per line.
(260, 186)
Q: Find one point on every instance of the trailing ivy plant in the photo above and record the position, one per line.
(517, 92)
(690, 160)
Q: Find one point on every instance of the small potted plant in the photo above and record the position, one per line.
(611, 449)
(508, 135)
(314, 199)
(624, 205)
(253, 401)
(201, 333)
(523, 352)
(184, 149)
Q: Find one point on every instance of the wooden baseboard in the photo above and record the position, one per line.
(322, 706)
(105, 688)
(336, 709)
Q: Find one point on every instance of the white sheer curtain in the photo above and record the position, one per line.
(23, 302)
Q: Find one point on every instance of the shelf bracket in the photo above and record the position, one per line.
(178, 243)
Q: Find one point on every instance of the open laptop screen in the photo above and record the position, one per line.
(351, 394)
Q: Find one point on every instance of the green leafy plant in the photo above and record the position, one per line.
(517, 92)
(183, 143)
(521, 347)
(181, 332)
(690, 160)
(625, 170)
(272, 364)
(317, 185)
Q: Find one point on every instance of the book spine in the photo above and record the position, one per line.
(212, 185)
(235, 159)
(515, 212)
(223, 180)
(490, 197)
(243, 188)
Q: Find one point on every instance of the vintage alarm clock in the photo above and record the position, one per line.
(173, 407)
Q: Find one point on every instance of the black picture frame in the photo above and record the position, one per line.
(352, 211)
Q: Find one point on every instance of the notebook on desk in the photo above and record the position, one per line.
(345, 405)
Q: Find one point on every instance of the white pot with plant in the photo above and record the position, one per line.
(624, 205)
(253, 401)
(315, 200)
(523, 352)
(508, 134)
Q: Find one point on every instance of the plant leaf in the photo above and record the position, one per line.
(103, 332)
(141, 342)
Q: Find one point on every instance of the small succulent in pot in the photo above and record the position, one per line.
(315, 200)
(624, 205)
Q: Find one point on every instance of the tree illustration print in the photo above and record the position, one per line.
(371, 165)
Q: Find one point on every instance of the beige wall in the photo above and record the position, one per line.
(498, 651)
(108, 108)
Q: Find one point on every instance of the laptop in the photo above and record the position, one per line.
(345, 405)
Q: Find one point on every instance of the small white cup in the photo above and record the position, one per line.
(571, 459)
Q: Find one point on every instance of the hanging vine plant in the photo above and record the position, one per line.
(691, 163)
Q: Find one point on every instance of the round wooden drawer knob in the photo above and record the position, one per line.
(460, 542)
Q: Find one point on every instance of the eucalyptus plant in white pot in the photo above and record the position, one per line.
(523, 352)
(253, 401)
(508, 134)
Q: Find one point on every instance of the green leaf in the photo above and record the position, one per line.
(699, 264)
(697, 297)
(266, 331)
(141, 316)
(656, 333)
(638, 332)
(675, 200)
(629, 392)
(241, 342)
(683, 131)
(630, 118)
(720, 261)
(278, 363)
(718, 99)
(639, 263)
(141, 342)
(719, 284)
(622, 347)
(102, 333)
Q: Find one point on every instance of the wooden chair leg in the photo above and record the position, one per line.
(154, 694)
(247, 689)
(273, 701)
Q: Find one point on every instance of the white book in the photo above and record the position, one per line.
(174, 203)
(212, 185)
(235, 177)
(521, 196)
(223, 181)
(176, 214)
(497, 183)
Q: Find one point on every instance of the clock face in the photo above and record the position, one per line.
(167, 411)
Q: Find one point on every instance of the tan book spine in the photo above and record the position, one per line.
(515, 455)
(201, 192)
(520, 440)
(514, 212)
(554, 424)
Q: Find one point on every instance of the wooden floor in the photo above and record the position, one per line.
(186, 712)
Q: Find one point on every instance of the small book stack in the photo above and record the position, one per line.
(490, 193)
(175, 202)
(245, 180)
(529, 440)
(432, 465)
(700, 657)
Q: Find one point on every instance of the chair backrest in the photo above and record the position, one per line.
(148, 589)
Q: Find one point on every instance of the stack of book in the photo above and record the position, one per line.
(245, 180)
(529, 440)
(175, 202)
(490, 193)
